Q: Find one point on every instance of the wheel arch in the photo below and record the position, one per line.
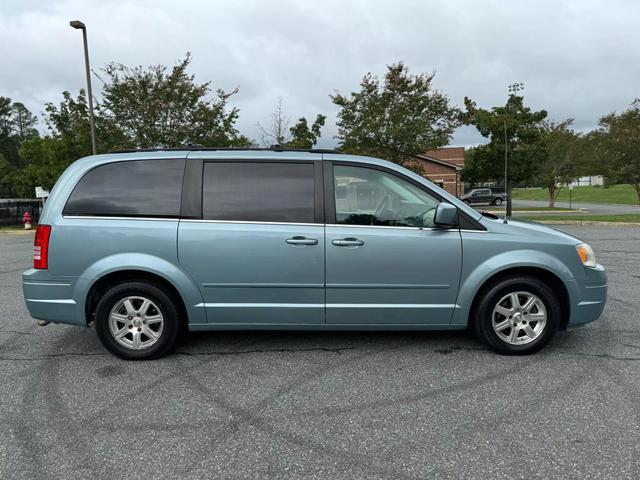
(542, 274)
(127, 266)
(102, 284)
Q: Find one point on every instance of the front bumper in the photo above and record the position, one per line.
(49, 298)
(591, 297)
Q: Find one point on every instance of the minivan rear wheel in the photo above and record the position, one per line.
(517, 315)
(137, 321)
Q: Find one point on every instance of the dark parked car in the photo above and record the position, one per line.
(484, 195)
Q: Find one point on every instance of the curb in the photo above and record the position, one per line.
(540, 212)
(588, 223)
(17, 232)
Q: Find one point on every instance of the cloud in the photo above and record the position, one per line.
(577, 58)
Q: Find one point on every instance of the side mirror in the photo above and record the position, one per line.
(446, 215)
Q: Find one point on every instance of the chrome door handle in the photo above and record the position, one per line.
(297, 240)
(348, 242)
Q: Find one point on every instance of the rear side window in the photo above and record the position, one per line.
(258, 192)
(137, 188)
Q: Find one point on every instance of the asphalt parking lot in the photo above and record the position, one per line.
(326, 406)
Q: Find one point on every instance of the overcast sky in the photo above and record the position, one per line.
(577, 58)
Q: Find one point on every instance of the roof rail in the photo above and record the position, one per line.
(192, 148)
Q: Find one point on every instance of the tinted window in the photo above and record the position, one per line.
(366, 196)
(258, 192)
(141, 188)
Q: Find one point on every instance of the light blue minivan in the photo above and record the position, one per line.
(147, 243)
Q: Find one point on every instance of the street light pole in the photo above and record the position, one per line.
(506, 190)
(78, 25)
(513, 89)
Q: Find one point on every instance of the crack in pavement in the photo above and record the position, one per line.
(194, 354)
(338, 350)
(55, 355)
(600, 355)
(450, 350)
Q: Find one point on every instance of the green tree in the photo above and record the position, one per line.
(618, 146)
(303, 136)
(397, 118)
(69, 122)
(17, 124)
(6, 124)
(475, 158)
(69, 138)
(24, 122)
(45, 161)
(159, 108)
(522, 128)
(592, 153)
(7, 176)
(8, 144)
(561, 161)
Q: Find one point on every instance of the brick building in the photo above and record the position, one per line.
(443, 167)
(453, 155)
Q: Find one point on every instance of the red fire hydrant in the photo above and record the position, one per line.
(26, 219)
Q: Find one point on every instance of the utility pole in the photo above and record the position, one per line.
(78, 25)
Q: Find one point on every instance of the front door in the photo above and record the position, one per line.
(485, 196)
(257, 253)
(386, 261)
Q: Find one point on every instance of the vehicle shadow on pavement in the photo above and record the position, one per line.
(226, 342)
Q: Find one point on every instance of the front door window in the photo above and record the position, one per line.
(366, 196)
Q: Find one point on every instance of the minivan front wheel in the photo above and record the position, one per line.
(517, 315)
(136, 320)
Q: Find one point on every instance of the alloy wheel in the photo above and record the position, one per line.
(136, 322)
(519, 318)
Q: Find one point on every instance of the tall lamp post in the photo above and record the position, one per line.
(78, 25)
(514, 88)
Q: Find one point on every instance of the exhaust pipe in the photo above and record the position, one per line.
(43, 323)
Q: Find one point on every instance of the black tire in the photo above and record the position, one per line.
(482, 316)
(466, 201)
(497, 201)
(166, 306)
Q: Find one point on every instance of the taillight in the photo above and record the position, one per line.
(41, 247)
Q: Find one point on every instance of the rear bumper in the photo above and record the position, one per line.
(592, 297)
(50, 298)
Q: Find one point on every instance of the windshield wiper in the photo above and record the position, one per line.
(490, 215)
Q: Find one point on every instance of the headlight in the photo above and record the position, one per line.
(585, 252)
